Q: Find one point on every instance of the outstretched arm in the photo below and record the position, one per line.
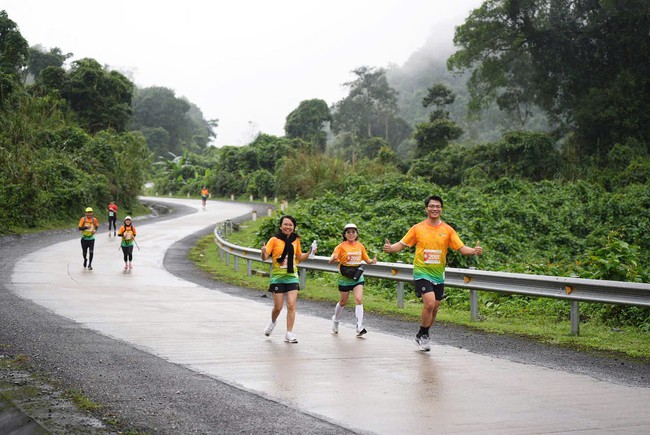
(477, 250)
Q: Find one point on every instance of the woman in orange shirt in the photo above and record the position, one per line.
(88, 226)
(285, 251)
(127, 232)
(349, 254)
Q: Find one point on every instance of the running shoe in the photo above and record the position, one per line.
(290, 337)
(90, 267)
(130, 266)
(335, 325)
(361, 332)
(126, 266)
(269, 329)
(423, 343)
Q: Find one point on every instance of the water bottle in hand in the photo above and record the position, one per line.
(312, 251)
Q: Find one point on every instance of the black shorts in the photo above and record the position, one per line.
(284, 288)
(423, 286)
(349, 288)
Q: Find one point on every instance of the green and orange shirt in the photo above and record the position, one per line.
(279, 274)
(127, 234)
(88, 226)
(431, 244)
(351, 254)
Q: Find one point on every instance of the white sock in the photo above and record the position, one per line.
(338, 310)
(358, 311)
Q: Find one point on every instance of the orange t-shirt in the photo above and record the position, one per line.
(87, 227)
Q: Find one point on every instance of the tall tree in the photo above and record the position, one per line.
(585, 63)
(39, 59)
(159, 108)
(14, 53)
(101, 99)
(369, 107)
(439, 130)
(308, 122)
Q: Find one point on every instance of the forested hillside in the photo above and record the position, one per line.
(79, 136)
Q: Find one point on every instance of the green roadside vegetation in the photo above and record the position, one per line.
(67, 222)
(507, 318)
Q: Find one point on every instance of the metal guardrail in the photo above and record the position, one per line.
(572, 289)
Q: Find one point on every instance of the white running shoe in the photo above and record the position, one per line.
(290, 337)
(423, 343)
(269, 329)
(335, 325)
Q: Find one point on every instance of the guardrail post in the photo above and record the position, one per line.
(227, 259)
(249, 267)
(575, 318)
(473, 302)
(473, 305)
(220, 252)
(303, 278)
(236, 263)
(400, 294)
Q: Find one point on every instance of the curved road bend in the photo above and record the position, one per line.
(198, 361)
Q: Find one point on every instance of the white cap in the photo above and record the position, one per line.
(128, 218)
(349, 226)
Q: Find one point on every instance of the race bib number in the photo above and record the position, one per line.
(128, 235)
(432, 256)
(354, 258)
(111, 213)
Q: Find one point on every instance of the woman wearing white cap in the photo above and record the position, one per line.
(349, 254)
(127, 233)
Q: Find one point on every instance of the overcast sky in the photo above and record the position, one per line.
(248, 63)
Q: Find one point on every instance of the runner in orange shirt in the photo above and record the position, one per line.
(349, 254)
(204, 195)
(88, 226)
(127, 232)
(432, 238)
(284, 249)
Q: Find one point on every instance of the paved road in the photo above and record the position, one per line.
(377, 384)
